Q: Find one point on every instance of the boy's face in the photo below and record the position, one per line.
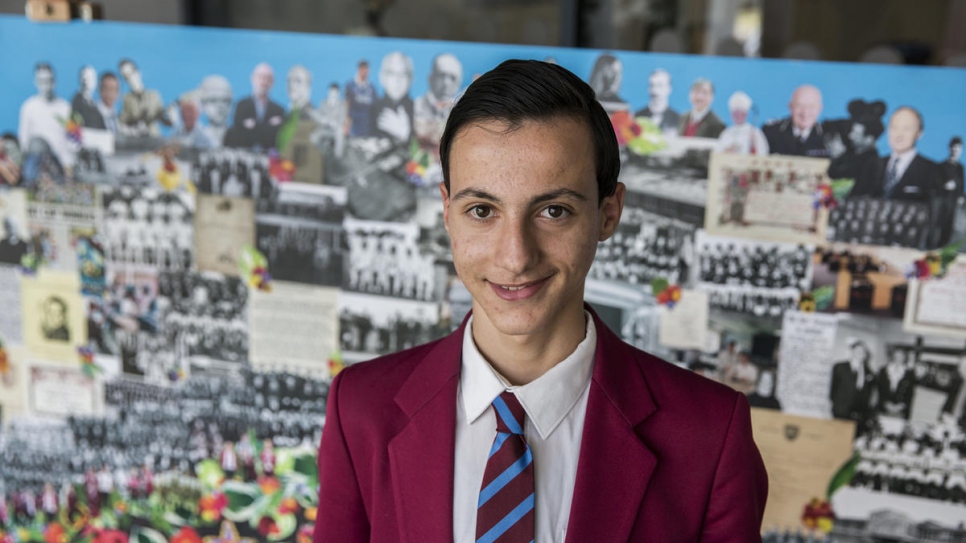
(522, 213)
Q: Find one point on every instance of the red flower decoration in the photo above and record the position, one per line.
(267, 526)
(186, 535)
(110, 536)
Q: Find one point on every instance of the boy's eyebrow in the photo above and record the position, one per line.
(548, 196)
(475, 193)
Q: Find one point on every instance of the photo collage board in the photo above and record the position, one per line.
(195, 238)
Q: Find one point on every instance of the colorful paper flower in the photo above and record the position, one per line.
(55, 533)
(73, 130)
(269, 485)
(253, 266)
(211, 506)
(311, 513)
(824, 197)
(305, 534)
(4, 360)
(640, 135)
(336, 364)
(934, 264)
(288, 505)
(88, 366)
(665, 293)
(818, 516)
(280, 169)
(267, 526)
(806, 302)
(110, 536)
(186, 535)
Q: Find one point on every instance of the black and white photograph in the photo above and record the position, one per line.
(646, 247)
(14, 236)
(127, 309)
(204, 315)
(385, 259)
(373, 325)
(747, 276)
(300, 233)
(149, 226)
(234, 172)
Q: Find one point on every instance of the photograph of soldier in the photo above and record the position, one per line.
(700, 121)
(800, 134)
(658, 109)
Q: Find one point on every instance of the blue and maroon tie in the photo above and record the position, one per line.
(505, 510)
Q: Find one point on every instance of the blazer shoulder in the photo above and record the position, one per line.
(379, 379)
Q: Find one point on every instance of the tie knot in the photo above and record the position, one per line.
(509, 414)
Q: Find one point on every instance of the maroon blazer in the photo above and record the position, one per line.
(666, 455)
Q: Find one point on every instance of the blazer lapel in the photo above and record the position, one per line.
(422, 455)
(615, 466)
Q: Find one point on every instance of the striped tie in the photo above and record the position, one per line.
(505, 510)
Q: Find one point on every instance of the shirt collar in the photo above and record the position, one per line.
(697, 116)
(801, 134)
(547, 399)
(904, 158)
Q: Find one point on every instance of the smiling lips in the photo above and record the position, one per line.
(518, 292)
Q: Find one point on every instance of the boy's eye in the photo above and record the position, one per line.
(480, 212)
(555, 212)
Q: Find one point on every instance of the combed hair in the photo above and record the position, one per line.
(523, 90)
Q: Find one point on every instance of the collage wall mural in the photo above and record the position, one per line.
(200, 227)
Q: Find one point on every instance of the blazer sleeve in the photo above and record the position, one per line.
(740, 488)
(341, 516)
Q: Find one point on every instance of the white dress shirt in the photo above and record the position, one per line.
(555, 403)
(902, 162)
(42, 118)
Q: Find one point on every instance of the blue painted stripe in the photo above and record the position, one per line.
(498, 442)
(504, 412)
(508, 521)
(508, 475)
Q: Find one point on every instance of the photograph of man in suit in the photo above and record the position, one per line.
(853, 383)
(700, 121)
(257, 117)
(533, 420)
(658, 109)
(54, 320)
(799, 134)
(951, 192)
(82, 106)
(904, 174)
(107, 92)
